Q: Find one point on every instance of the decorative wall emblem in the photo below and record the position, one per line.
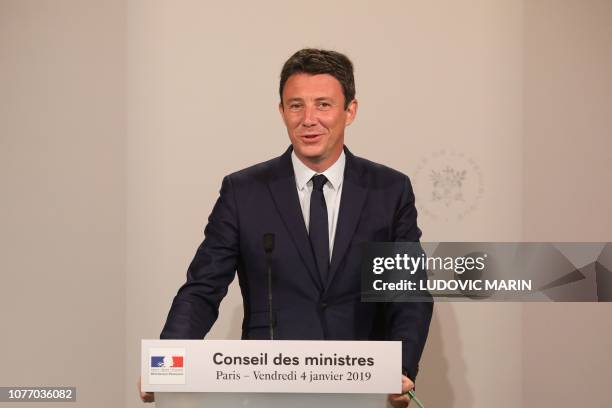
(448, 185)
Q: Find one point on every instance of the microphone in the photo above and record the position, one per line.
(268, 244)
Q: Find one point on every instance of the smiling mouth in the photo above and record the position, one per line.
(310, 137)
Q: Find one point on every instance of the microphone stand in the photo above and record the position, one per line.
(268, 241)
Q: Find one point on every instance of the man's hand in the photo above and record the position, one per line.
(399, 400)
(145, 396)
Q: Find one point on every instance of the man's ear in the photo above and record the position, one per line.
(281, 110)
(351, 112)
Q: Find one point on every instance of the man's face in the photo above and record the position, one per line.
(313, 111)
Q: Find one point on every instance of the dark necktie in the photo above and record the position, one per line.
(318, 229)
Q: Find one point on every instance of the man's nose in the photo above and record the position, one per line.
(309, 116)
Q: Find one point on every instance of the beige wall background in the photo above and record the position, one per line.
(567, 167)
(122, 118)
(62, 197)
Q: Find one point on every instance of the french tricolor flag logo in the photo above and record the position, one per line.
(167, 361)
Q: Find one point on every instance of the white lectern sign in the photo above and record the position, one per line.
(286, 366)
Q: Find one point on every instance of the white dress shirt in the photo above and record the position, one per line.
(332, 191)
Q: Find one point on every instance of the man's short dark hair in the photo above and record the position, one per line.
(313, 61)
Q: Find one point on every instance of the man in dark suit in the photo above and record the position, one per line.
(319, 202)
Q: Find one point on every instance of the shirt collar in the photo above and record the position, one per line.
(303, 174)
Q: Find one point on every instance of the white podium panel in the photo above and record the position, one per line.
(222, 400)
(262, 373)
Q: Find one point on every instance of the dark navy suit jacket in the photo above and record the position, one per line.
(377, 204)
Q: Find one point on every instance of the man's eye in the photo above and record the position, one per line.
(295, 106)
(325, 105)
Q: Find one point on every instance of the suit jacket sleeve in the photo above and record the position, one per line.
(196, 305)
(408, 321)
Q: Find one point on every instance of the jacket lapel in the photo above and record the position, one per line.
(353, 198)
(284, 193)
